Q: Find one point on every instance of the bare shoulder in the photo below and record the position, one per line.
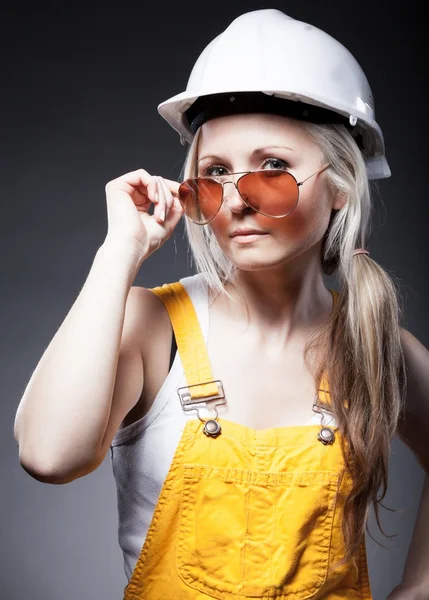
(413, 426)
(145, 316)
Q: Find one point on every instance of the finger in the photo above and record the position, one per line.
(145, 187)
(143, 197)
(168, 197)
(175, 213)
(151, 191)
(173, 186)
(162, 201)
(139, 179)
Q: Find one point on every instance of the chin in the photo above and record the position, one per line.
(257, 262)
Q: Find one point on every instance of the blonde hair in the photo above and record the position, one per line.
(363, 357)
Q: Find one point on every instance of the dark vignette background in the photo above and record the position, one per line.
(80, 87)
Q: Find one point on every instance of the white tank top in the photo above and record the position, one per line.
(142, 452)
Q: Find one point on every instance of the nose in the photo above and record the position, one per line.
(232, 197)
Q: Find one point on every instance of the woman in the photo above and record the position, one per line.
(245, 467)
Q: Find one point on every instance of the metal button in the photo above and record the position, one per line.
(212, 428)
(326, 435)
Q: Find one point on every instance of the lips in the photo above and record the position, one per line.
(247, 232)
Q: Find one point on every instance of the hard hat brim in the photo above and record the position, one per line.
(173, 109)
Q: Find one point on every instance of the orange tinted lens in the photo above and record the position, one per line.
(273, 193)
(200, 199)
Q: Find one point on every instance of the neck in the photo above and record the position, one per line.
(280, 304)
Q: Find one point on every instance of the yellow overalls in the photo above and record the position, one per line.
(246, 513)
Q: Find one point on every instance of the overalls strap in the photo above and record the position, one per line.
(189, 339)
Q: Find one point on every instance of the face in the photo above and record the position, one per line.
(225, 146)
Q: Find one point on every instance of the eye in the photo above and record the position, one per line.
(281, 164)
(278, 164)
(208, 171)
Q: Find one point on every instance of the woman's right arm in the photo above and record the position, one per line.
(91, 374)
(63, 414)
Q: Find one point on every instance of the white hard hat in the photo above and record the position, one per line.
(268, 61)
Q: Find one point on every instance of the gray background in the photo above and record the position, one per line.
(81, 84)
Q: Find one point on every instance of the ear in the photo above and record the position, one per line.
(339, 200)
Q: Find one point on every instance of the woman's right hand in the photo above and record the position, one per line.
(129, 198)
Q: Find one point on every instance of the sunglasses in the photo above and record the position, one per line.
(270, 192)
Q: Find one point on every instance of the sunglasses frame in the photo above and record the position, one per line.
(243, 174)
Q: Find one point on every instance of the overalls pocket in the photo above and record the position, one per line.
(255, 534)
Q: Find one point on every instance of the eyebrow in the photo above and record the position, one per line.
(255, 152)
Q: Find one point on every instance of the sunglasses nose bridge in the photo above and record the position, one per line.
(234, 200)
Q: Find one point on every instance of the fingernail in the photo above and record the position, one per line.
(163, 215)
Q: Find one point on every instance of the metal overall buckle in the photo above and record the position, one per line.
(327, 434)
(211, 426)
